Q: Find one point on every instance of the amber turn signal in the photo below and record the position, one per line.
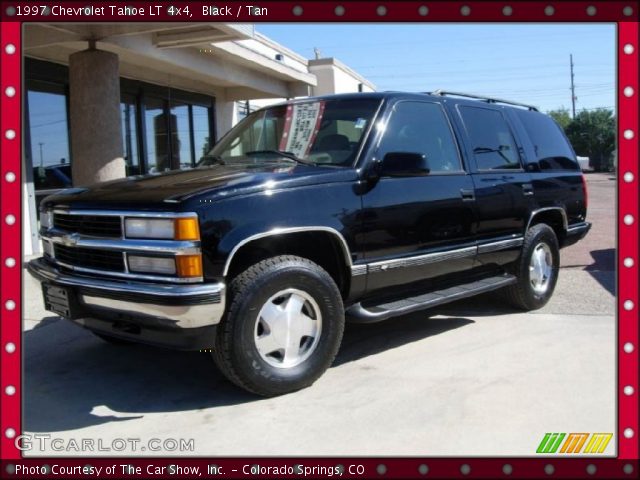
(189, 265)
(187, 229)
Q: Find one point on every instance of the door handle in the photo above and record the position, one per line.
(508, 177)
(527, 189)
(467, 195)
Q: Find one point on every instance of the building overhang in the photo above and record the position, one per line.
(211, 55)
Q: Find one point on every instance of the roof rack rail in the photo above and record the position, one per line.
(441, 93)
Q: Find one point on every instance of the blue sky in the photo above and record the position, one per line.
(521, 62)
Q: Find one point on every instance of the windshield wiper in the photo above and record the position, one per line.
(211, 160)
(281, 153)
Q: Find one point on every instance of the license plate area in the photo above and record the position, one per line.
(59, 300)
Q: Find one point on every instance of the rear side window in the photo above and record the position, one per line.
(492, 142)
(552, 150)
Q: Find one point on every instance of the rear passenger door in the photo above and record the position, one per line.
(502, 186)
(419, 227)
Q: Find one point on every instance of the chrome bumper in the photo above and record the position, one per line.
(183, 306)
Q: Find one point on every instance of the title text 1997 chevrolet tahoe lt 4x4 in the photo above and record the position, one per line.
(364, 206)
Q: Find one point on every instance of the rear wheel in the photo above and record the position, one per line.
(536, 269)
(283, 327)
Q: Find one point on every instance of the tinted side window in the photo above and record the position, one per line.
(421, 127)
(551, 148)
(491, 139)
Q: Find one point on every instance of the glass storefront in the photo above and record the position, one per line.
(162, 128)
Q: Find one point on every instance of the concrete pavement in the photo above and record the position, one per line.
(471, 378)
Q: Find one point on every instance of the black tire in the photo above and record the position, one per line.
(522, 294)
(235, 351)
(112, 340)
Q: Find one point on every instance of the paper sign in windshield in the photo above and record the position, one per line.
(301, 127)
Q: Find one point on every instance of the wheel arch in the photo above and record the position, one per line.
(555, 217)
(323, 245)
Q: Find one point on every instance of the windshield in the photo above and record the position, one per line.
(319, 132)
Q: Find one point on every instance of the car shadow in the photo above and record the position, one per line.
(74, 380)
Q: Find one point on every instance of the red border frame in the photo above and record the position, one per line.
(285, 11)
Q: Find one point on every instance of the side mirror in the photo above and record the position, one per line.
(404, 164)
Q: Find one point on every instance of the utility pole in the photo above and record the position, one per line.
(41, 162)
(573, 89)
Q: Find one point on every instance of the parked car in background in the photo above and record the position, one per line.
(584, 163)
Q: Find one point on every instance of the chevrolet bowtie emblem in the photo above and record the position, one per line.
(70, 240)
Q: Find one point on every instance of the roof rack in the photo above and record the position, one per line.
(441, 93)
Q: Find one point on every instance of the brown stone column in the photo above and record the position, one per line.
(94, 112)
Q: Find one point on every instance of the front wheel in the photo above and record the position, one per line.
(283, 327)
(536, 269)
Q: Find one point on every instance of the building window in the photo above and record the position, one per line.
(128, 115)
(181, 135)
(201, 130)
(48, 138)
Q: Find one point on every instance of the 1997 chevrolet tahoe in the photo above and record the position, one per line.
(359, 206)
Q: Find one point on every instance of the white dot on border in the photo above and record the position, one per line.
(10, 49)
(10, 347)
(628, 177)
(628, 49)
(10, 305)
(628, 390)
(507, 10)
(10, 219)
(628, 91)
(627, 11)
(10, 134)
(423, 10)
(9, 433)
(423, 469)
(591, 10)
(465, 10)
(628, 433)
(628, 469)
(549, 469)
(628, 134)
(549, 10)
(10, 390)
(591, 469)
(628, 220)
(465, 469)
(9, 91)
(10, 177)
(628, 262)
(507, 469)
(339, 10)
(628, 305)
(297, 10)
(628, 347)
(381, 11)
(10, 262)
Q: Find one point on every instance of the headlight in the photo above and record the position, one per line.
(162, 265)
(162, 228)
(46, 219)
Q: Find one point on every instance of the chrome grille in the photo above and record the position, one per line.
(107, 260)
(91, 225)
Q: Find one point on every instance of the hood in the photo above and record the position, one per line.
(166, 189)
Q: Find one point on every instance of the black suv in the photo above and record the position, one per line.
(357, 206)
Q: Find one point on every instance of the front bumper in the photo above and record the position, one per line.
(180, 316)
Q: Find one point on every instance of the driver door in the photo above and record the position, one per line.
(419, 227)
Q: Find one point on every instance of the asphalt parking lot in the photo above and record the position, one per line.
(472, 378)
